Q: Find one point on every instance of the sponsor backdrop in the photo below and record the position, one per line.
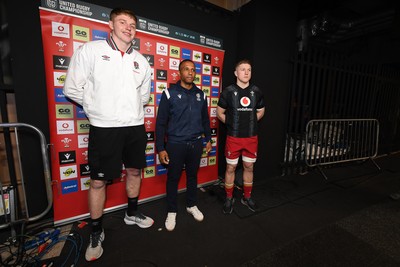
(66, 25)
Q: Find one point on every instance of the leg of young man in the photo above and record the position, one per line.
(134, 158)
(229, 187)
(247, 178)
(176, 153)
(133, 216)
(133, 182)
(232, 152)
(96, 200)
(249, 157)
(230, 179)
(248, 185)
(192, 166)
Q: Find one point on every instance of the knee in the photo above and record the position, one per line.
(247, 166)
(230, 168)
(133, 172)
(97, 184)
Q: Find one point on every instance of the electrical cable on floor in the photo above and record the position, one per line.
(29, 250)
(75, 239)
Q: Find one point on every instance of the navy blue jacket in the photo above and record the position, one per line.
(182, 116)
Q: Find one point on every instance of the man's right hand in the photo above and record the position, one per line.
(163, 157)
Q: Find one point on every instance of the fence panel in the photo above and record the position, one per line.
(333, 141)
(8, 192)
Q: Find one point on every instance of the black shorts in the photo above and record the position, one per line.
(109, 148)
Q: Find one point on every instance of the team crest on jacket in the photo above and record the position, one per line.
(198, 97)
(136, 65)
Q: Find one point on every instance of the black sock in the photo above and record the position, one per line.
(97, 225)
(132, 206)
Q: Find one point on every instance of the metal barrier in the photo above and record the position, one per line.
(334, 141)
(7, 199)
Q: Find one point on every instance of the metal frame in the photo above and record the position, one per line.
(46, 173)
(333, 141)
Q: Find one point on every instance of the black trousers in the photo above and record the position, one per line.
(181, 156)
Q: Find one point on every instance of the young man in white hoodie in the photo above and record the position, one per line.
(112, 82)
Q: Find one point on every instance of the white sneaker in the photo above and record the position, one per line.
(197, 214)
(95, 248)
(139, 219)
(170, 222)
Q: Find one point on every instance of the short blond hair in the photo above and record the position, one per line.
(119, 10)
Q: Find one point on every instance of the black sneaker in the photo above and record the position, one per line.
(249, 202)
(228, 205)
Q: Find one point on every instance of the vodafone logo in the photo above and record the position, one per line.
(65, 127)
(162, 49)
(83, 140)
(60, 29)
(245, 101)
(149, 112)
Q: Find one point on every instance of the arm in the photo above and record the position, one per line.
(77, 76)
(260, 113)
(206, 121)
(260, 105)
(208, 146)
(146, 87)
(163, 157)
(222, 106)
(161, 128)
(221, 114)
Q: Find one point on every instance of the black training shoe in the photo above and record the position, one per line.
(249, 202)
(228, 205)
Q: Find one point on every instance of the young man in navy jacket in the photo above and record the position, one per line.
(182, 127)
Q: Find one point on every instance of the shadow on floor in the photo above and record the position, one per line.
(304, 220)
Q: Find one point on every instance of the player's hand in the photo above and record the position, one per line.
(163, 157)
